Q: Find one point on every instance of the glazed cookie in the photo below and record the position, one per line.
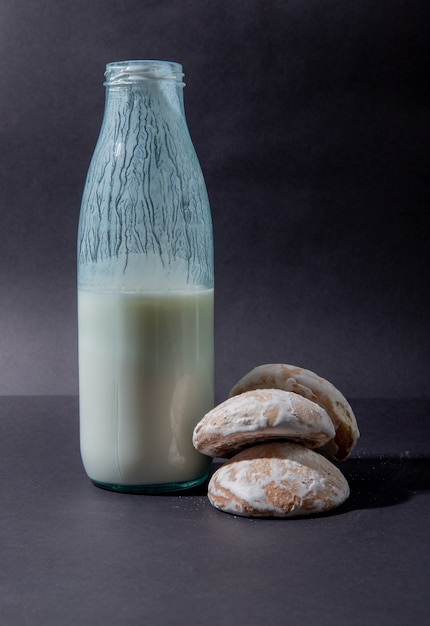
(313, 387)
(262, 415)
(277, 480)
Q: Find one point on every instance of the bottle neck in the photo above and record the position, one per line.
(140, 85)
(134, 72)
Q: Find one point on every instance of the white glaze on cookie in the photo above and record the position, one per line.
(261, 415)
(277, 480)
(313, 387)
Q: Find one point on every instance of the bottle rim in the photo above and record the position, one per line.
(134, 71)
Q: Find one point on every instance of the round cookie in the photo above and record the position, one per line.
(277, 480)
(313, 387)
(261, 415)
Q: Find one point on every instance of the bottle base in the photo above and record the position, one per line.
(153, 488)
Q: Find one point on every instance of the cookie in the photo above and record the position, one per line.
(261, 415)
(277, 480)
(313, 387)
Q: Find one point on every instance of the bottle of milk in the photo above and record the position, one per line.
(145, 289)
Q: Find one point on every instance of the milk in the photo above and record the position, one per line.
(145, 380)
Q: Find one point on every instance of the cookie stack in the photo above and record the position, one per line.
(282, 428)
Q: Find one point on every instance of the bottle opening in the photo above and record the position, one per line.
(129, 72)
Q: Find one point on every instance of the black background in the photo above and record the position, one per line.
(311, 122)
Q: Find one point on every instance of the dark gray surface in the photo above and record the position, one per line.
(75, 554)
(312, 124)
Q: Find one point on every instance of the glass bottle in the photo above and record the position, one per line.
(145, 289)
